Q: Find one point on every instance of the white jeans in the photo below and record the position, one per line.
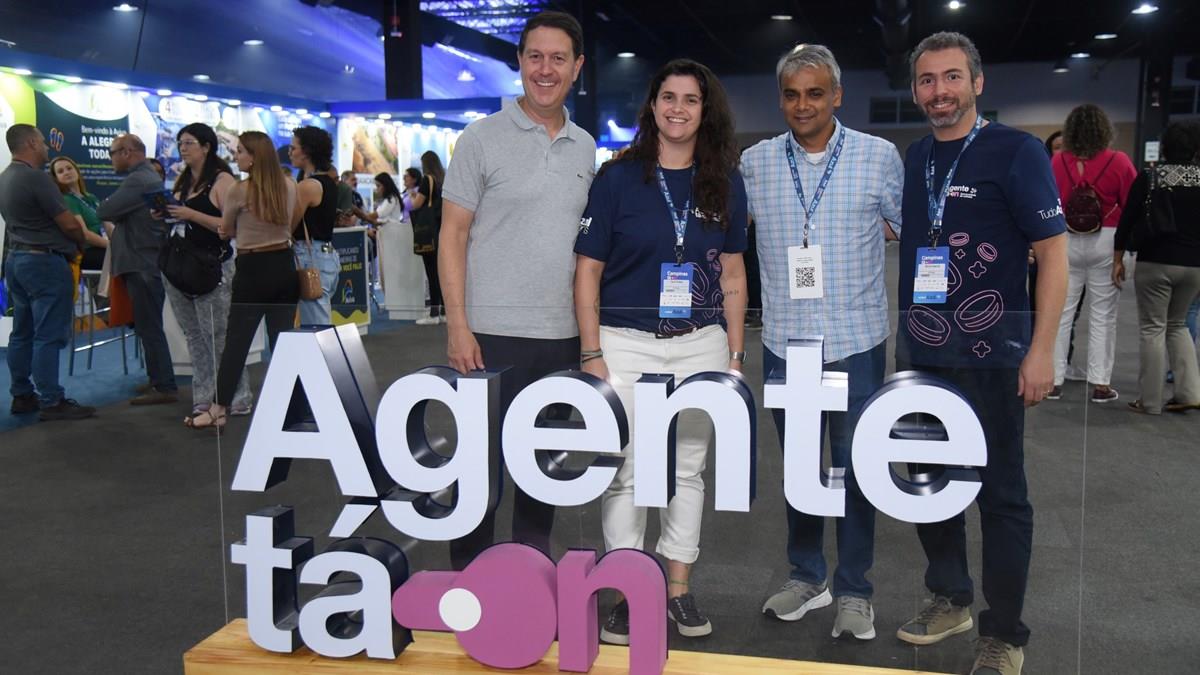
(628, 354)
(1090, 257)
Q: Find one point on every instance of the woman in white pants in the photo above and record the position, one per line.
(660, 287)
(1087, 162)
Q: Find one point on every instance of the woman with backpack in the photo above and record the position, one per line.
(1093, 181)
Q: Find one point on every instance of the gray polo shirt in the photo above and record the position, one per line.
(139, 236)
(527, 192)
(29, 202)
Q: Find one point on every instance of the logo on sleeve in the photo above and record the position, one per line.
(584, 225)
(1047, 214)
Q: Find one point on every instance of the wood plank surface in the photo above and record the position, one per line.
(229, 651)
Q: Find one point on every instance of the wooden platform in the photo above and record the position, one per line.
(229, 651)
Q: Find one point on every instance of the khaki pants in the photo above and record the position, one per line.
(1164, 293)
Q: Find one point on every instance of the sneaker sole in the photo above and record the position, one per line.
(824, 599)
(613, 638)
(688, 631)
(923, 640)
(869, 635)
(1106, 400)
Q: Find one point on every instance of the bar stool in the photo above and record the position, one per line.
(86, 307)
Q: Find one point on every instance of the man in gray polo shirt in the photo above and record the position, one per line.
(515, 189)
(42, 236)
(135, 245)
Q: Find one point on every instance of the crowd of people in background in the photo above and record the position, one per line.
(250, 235)
(538, 262)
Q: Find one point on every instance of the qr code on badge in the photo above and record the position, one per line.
(806, 277)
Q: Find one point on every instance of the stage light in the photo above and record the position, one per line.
(163, 92)
(465, 75)
(200, 97)
(234, 102)
(253, 42)
(625, 55)
(955, 5)
(781, 17)
(385, 116)
(1145, 8)
(324, 114)
(1106, 36)
(201, 77)
(1080, 55)
(22, 71)
(301, 111)
(73, 79)
(428, 115)
(276, 108)
(1060, 66)
(125, 7)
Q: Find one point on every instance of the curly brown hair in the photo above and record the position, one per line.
(716, 147)
(1087, 131)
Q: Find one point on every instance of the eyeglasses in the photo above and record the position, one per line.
(118, 151)
(187, 143)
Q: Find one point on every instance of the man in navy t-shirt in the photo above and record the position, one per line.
(977, 196)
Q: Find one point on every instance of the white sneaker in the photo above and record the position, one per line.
(428, 321)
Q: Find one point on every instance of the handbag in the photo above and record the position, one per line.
(426, 222)
(192, 268)
(310, 278)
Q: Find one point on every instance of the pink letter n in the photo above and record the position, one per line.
(635, 574)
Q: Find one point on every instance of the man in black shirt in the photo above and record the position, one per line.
(42, 235)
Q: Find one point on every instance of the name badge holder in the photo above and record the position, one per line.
(931, 278)
(806, 274)
(675, 279)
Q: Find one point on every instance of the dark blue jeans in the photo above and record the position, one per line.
(40, 289)
(1005, 515)
(856, 531)
(147, 295)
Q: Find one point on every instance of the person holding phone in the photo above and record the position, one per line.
(196, 205)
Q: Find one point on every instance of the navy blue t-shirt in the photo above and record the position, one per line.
(1002, 197)
(627, 226)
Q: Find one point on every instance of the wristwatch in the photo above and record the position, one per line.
(740, 357)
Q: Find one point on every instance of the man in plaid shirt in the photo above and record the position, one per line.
(823, 198)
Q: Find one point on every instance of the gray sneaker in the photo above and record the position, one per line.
(795, 599)
(935, 623)
(996, 657)
(856, 616)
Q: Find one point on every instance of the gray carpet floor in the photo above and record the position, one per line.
(118, 529)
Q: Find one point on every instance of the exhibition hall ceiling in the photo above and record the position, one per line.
(332, 50)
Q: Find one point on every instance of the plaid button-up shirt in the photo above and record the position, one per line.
(865, 189)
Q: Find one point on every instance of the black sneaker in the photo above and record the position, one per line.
(1054, 394)
(615, 630)
(66, 409)
(24, 404)
(688, 618)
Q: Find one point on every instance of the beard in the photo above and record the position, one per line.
(950, 117)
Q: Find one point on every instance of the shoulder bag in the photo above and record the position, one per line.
(310, 278)
(426, 223)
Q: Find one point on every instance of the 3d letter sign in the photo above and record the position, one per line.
(512, 601)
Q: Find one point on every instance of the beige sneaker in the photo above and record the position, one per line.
(935, 623)
(996, 657)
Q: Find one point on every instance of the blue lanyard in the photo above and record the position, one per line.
(810, 209)
(937, 206)
(679, 217)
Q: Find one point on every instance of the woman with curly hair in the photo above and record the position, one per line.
(312, 152)
(660, 287)
(1086, 163)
